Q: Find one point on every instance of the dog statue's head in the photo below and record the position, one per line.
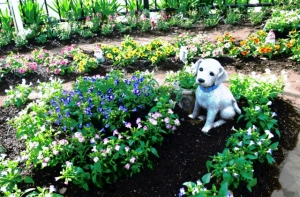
(209, 72)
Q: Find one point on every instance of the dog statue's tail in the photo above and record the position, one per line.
(236, 107)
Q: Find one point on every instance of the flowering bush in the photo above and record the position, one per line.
(104, 128)
(235, 163)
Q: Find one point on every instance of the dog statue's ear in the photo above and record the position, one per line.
(221, 76)
(196, 66)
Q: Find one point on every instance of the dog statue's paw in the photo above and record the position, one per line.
(218, 123)
(191, 116)
(202, 117)
(206, 129)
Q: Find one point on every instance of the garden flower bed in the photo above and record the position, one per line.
(183, 152)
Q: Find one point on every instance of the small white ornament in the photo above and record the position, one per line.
(271, 37)
(183, 54)
(98, 54)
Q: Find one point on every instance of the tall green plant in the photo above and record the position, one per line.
(32, 12)
(61, 7)
(106, 7)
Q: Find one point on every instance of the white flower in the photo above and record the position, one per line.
(96, 159)
(269, 151)
(269, 103)
(268, 71)
(225, 170)
(257, 108)
(270, 135)
(199, 182)
(251, 143)
(240, 143)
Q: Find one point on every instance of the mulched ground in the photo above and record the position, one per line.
(183, 155)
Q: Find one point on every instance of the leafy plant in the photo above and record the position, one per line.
(212, 20)
(19, 95)
(233, 17)
(32, 12)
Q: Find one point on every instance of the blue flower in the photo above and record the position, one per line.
(91, 89)
(141, 79)
(80, 126)
(57, 122)
(88, 125)
(109, 91)
(64, 128)
(99, 109)
(127, 82)
(116, 82)
(57, 109)
(134, 109)
(67, 114)
(98, 93)
(107, 125)
(102, 130)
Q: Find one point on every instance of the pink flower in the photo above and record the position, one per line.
(132, 160)
(55, 152)
(126, 148)
(128, 124)
(115, 132)
(170, 111)
(167, 120)
(92, 141)
(127, 166)
(88, 18)
(56, 71)
(177, 122)
(21, 70)
(47, 159)
(105, 141)
(117, 147)
(138, 120)
(153, 121)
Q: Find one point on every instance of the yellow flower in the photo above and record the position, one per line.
(81, 66)
(158, 53)
(109, 56)
(149, 47)
(115, 50)
(117, 58)
(131, 53)
(76, 58)
(153, 59)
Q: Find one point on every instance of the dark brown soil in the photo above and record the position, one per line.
(183, 155)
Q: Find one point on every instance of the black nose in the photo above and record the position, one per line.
(201, 80)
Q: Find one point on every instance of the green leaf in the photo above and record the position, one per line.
(270, 158)
(206, 178)
(224, 189)
(274, 145)
(150, 165)
(251, 183)
(28, 179)
(251, 156)
(246, 175)
(189, 184)
(154, 151)
(226, 177)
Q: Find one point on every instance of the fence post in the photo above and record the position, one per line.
(14, 10)
(146, 4)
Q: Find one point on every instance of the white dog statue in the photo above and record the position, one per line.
(212, 95)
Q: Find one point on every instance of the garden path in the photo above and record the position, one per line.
(290, 173)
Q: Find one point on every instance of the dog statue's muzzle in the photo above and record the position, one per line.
(201, 80)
